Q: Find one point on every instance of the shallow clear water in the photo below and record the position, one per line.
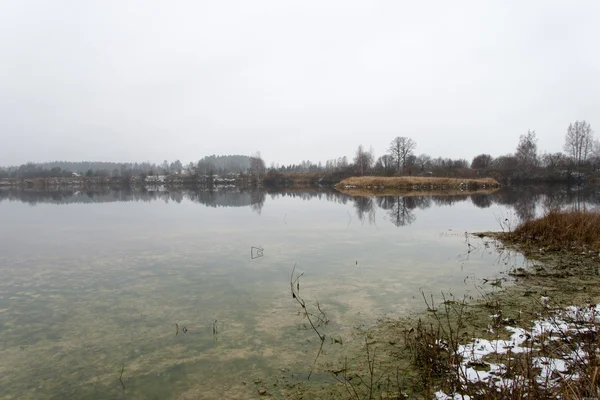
(164, 286)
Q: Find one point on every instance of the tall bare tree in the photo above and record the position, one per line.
(579, 141)
(191, 169)
(363, 160)
(401, 149)
(257, 167)
(596, 149)
(385, 164)
(176, 166)
(526, 154)
(423, 161)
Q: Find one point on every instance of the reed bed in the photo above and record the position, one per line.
(416, 182)
(564, 229)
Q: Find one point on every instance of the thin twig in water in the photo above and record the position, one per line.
(312, 368)
(321, 318)
(295, 288)
(346, 381)
(121, 376)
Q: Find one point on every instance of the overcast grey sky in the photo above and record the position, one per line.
(151, 80)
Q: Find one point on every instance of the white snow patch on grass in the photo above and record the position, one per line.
(564, 325)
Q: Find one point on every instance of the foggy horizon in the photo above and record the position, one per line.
(149, 81)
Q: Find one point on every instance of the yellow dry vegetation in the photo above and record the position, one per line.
(416, 181)
(564, 229)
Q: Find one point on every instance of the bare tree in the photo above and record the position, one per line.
(191, 168)
(482, 161)
(596, 149)
(527, 152)
(401, 149)
(176, 166)
(257, 167)
(579, 141)
(385, 164)
(342, 162)
(423, 161)
(506, 164)
(363, 160)
(555, 161)
(165, 167)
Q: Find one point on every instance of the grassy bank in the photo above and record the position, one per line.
(561, 230)
(543, 335)
(535, 338)
(415, 183)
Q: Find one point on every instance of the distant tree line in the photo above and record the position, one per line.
(63, 169)
(580, 159)
(209, 165)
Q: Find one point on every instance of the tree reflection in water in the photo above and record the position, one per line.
(399, 209)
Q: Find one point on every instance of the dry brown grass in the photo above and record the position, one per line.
(565, 229)
(387, 191)
(416, 181)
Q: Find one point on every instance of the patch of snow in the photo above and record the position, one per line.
(562, 325)
(548, 367)
(443, 396)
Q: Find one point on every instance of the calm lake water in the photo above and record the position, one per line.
(158, 295)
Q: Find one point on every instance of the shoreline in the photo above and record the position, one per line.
(553, 280)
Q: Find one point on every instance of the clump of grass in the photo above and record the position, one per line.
(429, 352)
(417, 181)
(433, 344)
(563, 229)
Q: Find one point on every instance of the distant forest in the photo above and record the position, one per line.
(580, 161)
(61, 169)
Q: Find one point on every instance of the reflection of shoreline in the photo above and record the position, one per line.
(230, 197)
(399, 206)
